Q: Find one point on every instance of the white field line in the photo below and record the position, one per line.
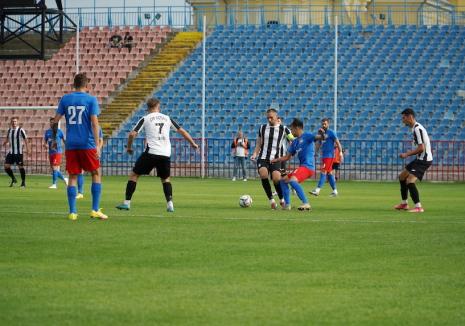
(306, 218)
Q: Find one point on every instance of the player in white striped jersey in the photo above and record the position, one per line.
(157, 152)
(416, 169)
(268, 147)
(15, 140)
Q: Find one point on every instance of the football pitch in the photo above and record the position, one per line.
(352, 260)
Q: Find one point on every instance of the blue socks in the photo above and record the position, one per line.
(286, 192)
(54, 177)
(300, 191)
(80, 183)
(56, 174)
(322, 180)
(71, 191)
(96, 190)
(332, 181)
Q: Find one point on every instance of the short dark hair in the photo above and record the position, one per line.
(80, 80)
(153, 102)
(325, 119)
(409, 111)
(272, 110)
(14, 118)
(297, 123)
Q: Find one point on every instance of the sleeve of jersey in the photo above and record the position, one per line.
(175, 124)
(289, 135)
(23, 134)
(61, 108)
(139, 126)
(334, 135)
(419, 135)
(291, 149)
(94, 108)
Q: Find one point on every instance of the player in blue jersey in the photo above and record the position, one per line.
(303, 145)
(327, 158)
(80, 177)
(53, 140)
(81, 112)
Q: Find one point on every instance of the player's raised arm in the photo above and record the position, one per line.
(284, 158)
(187, 137)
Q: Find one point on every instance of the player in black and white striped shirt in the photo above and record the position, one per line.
(15, 139)
(157, 153)
(416, 169)
(268, 147)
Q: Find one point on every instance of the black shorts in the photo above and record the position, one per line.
(14, 159)
(418, 168)
(147, 162)
(270, 166)
(336, 166)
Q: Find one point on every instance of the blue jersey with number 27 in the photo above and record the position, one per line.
(77, 108)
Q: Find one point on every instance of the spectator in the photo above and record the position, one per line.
(128, 41)
(116, 41)
(240, 148)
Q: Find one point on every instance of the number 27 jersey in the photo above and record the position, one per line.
(157, 132)
(77, 108)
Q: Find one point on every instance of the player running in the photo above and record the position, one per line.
(268, 147)
(303, 145)
(416, 169)
(157, 152)
(53, 140)
(327, 158)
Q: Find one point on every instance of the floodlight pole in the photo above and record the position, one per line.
(77, 47)
(202, 146)
(335, 72)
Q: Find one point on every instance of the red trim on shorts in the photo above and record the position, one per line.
(55, 159)
(327, 164)
(81, 159)
(302, 173)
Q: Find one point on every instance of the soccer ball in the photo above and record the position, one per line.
(245, 201)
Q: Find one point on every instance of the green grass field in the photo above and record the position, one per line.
(352, 260)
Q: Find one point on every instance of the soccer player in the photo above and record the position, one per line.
(327, 158)
(416, 169)
(80, 177)
(81, 112)
(15, 140)
(53, 140)
(157, 152)
(303, 145)
(268, 146)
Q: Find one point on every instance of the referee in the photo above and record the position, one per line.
(271, 137)
(15, 140)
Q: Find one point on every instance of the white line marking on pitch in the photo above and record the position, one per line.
(303, 219)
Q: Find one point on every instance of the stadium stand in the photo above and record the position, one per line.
(147, 79)
(34, 82)
(382, 69)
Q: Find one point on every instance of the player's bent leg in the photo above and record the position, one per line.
(168, 191)
(286, 193)
(276, 177)
(130, 189)
(403, 191)
(9, 171)
(414, 194)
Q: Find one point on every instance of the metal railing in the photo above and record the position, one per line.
(426, 13)
(376, 160)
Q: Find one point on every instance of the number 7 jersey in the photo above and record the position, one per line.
(77, 108)
(157, 132)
